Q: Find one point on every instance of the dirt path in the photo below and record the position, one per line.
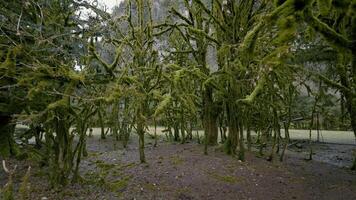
(176, 171)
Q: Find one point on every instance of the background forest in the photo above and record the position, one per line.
(229, 74)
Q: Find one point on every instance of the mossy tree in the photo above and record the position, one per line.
(195, 30)
(137, 78)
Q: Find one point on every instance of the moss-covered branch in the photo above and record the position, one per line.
(258, 89)
(330, 34)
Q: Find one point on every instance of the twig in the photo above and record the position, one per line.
(18, 23)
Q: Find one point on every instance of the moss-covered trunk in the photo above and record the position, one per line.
(209, 117)
(115, 120)
(233, 133)
(241, 143)
(7, 143)
(102, 126)
(141, 132)
(249, 138)
(286, 140)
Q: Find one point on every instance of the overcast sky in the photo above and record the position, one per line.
(110, 3)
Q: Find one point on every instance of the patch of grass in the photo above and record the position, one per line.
(231, 168)
(224, 178)
(176, 160)
(149, 186)
(183, 193)
(94, 178)
(118, 184)
(94, 154)
(129, 165)
(105, 166)
(117, 172)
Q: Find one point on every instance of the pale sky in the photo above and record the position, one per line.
(110, 3)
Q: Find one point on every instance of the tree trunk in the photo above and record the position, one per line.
(101, 121)
(353, 167)
(209, 118)
(176, 132)
(155, 133)
(286, 140)
(271, 155)
(115, 120)
(249, 139)
(311, 127)
(141, 134)
(241, 144)
(233, 136)
(141, 141)
(263, 140)
(7, 144)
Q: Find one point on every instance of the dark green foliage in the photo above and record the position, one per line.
(301, 4)
(341, 5)
(324, 6)
(279, 2)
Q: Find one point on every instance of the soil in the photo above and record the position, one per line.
(181, 171)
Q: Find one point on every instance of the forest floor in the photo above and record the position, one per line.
(181, 171)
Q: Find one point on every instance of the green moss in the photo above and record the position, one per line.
(119, 184)
(287, 30)
(94, 154)
(182, 191)
(224, 178)
(94, 178)
(149, 186)
(24, 189)
(176, 160)
(278, 2)
(105, 166)
(7, 193)
(163, 105)
(301, 4)
(324, 6)
(341, 4)
(117, 172)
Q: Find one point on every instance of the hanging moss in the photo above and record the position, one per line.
(279, 2)
(330, 34)
(163, 105)
(299, 5)
(287, 30)
(341, 5)
(324, 6)
(258, 89)
(352, 10)
(24, 189)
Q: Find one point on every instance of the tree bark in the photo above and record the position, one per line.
(101, 121)
(7, 144)
(209, 118)
(249, 139)
(141, 133)
(286, 140)
(233, 136)
(241, 143)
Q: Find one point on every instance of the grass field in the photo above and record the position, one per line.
(341, 137)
